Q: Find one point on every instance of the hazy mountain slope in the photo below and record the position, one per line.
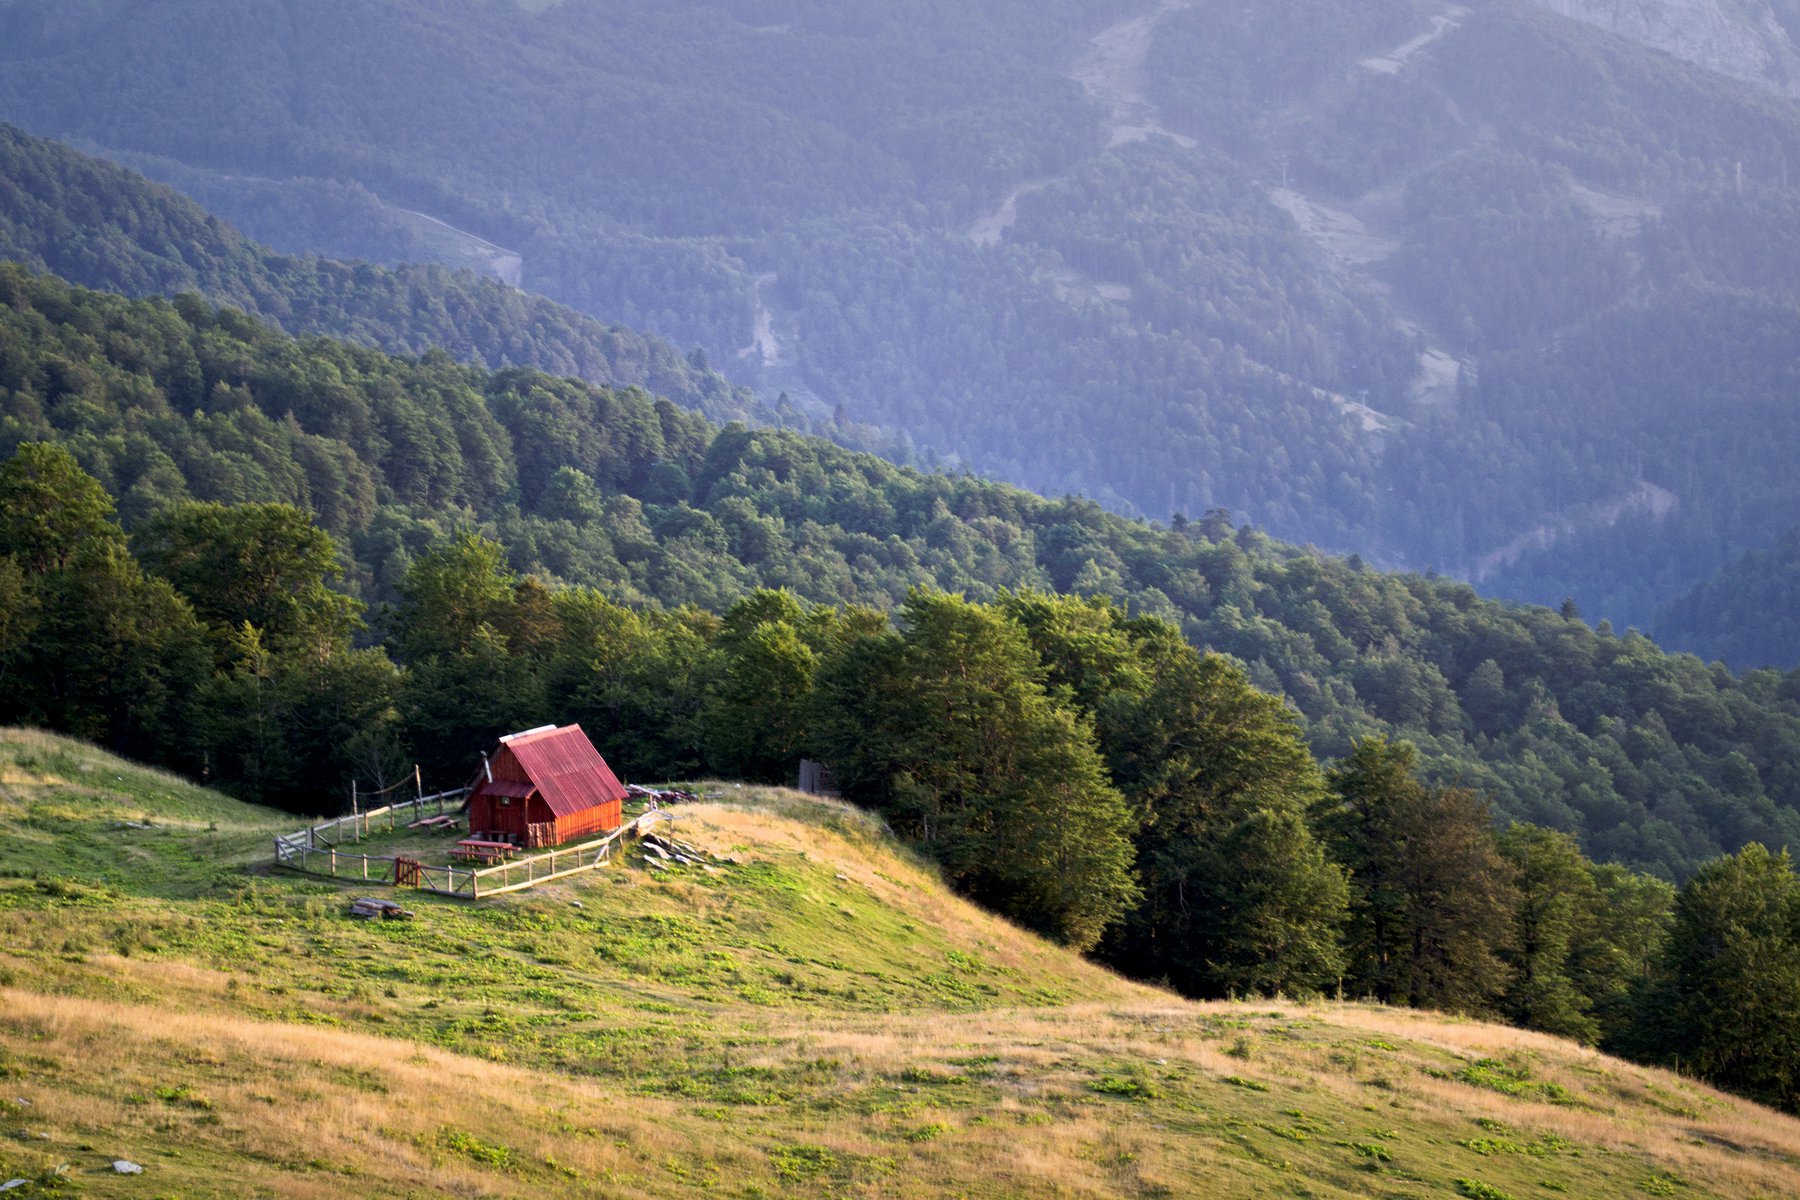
(98, 225)
(1657, 760)
(1173, 258)
(1548, 206)
(821, 1017)
(1750, 39)
(869, 249)
(1747, 614)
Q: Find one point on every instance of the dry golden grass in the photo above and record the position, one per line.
(302, 1111)
(1714, 1138)
(242, 1037)
(43, 744)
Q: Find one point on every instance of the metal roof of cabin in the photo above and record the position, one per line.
(569, 773)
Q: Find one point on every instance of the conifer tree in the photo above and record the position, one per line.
(1363, 821)
(1460, 900)
(1614, 965)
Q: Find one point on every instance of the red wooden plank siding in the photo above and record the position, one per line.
(550, 776)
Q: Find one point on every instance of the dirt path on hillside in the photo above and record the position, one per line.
(1369, 420)
(1645, 498)
(1391, 62)
(1617, 217)
(1341, 234)
(772, 349)
(988, 229)
(507, 265)
(765, 345)
(1111, 71)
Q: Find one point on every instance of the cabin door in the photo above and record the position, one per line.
(509, 816)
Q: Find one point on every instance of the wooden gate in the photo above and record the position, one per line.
(406, 872)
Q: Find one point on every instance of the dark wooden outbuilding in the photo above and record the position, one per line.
(544, 787)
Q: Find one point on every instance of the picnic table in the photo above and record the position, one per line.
(442, 821)
(476, 849)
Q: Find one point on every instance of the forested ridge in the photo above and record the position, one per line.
(1747, 613)
(103, 226)
(1656, 760)
(1512, 304)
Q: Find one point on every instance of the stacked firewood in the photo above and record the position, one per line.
(661, 853)
(664, 796)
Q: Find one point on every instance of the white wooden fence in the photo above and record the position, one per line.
(357, 826)
(313, 852)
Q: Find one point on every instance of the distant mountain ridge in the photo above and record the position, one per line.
(1749, 39)
(1373, 275)
(103, 226)
(1747, 615)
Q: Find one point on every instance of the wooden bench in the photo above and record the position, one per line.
(476, 850)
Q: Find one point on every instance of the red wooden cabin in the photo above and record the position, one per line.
(544, 787)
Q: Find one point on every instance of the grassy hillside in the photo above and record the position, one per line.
(820, 1018)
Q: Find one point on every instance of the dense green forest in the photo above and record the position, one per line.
(1655, 760)
(1589, 242)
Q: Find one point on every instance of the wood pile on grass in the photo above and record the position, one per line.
(371, 909)
(661, 796)
(661, 853)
